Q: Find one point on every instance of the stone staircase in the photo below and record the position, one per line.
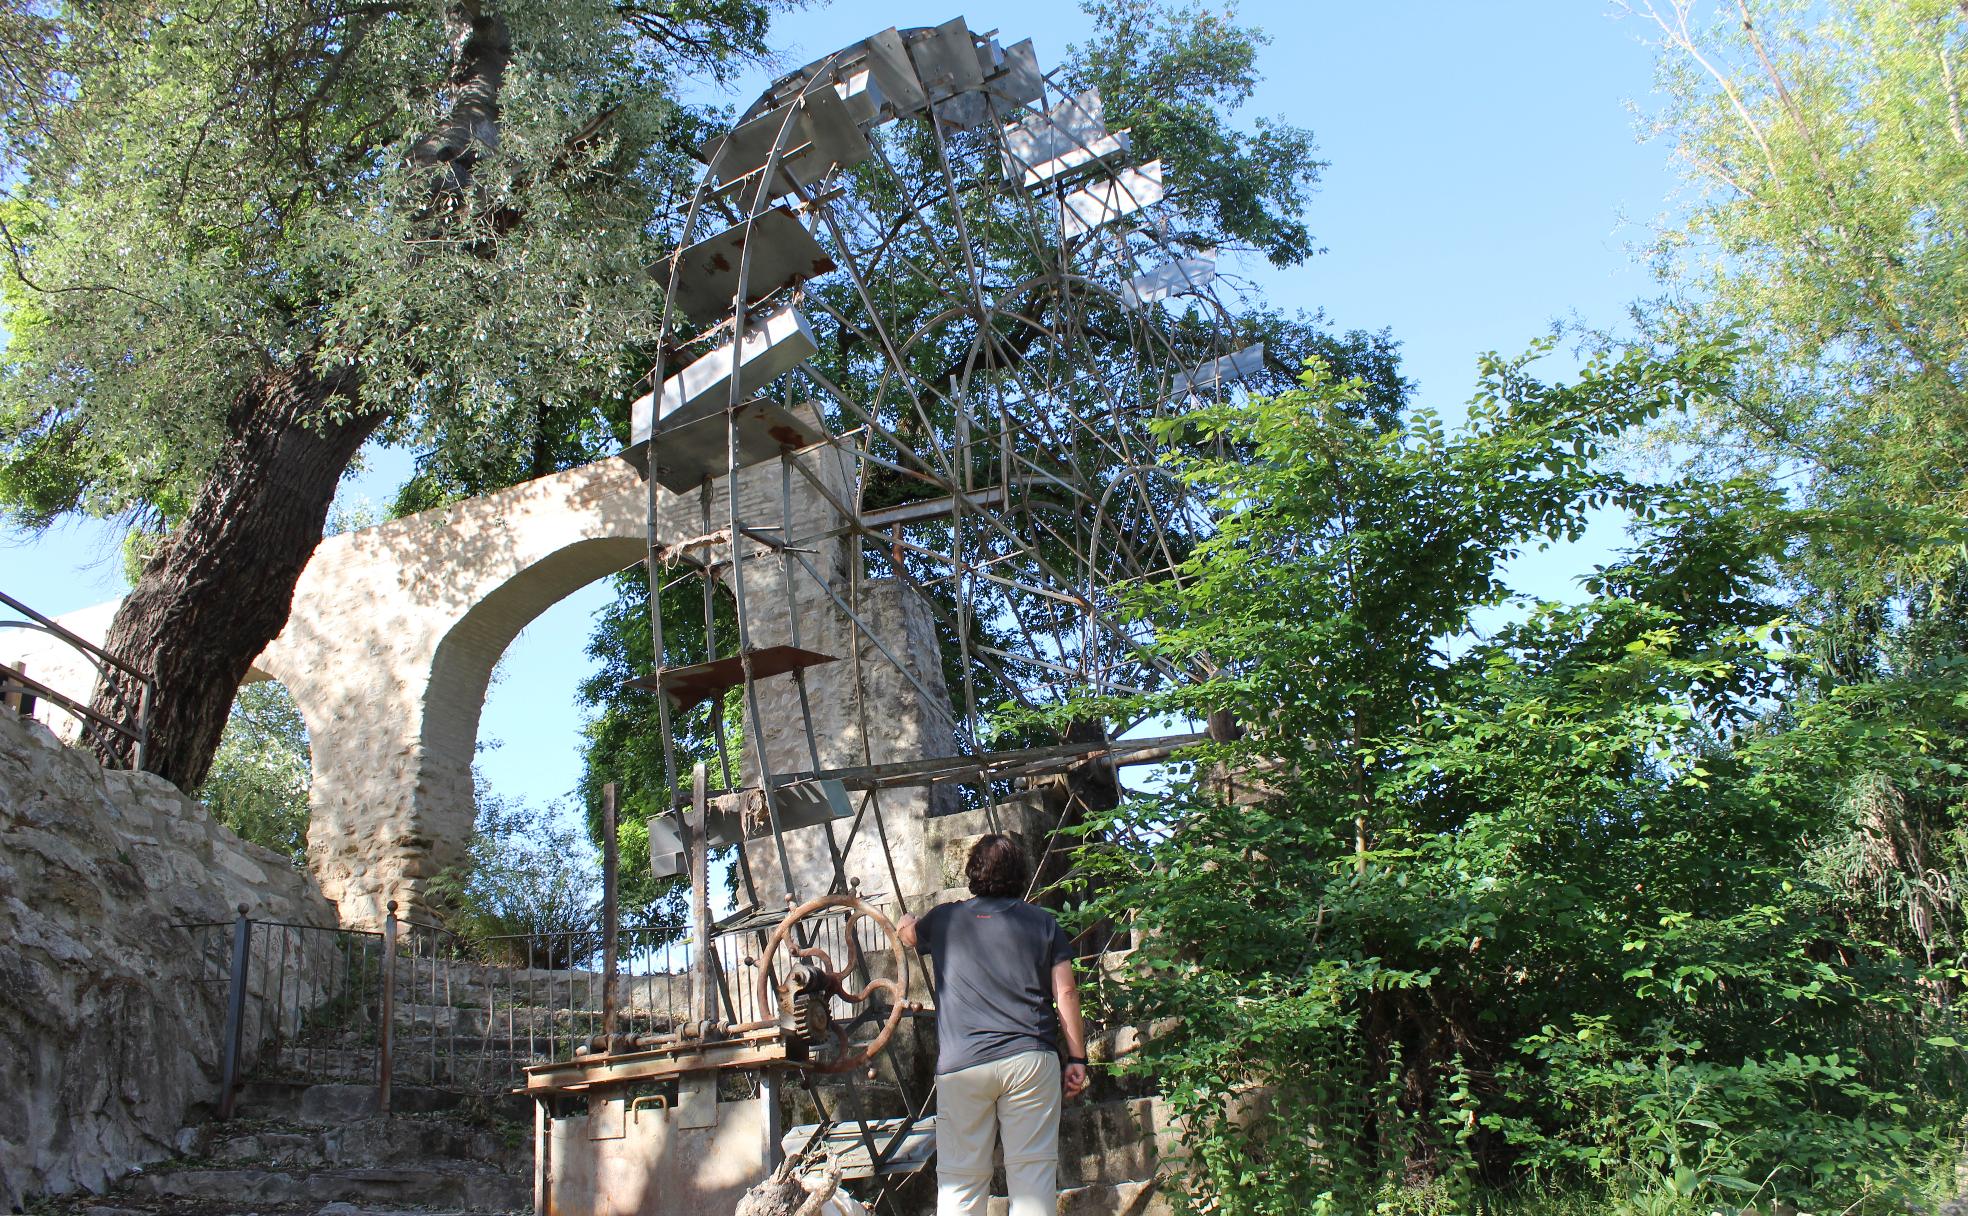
(1109, 1153)
(305, 1140)
(295, 1148)
(460, 1025)
(298, 1148)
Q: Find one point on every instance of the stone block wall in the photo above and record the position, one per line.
(108, 1041)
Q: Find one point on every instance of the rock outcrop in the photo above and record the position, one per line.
(110, 1024)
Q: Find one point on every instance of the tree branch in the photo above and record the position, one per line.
(20, 272)
(1953, 97)
(1678, 35)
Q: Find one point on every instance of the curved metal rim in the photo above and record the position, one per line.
(857, 908)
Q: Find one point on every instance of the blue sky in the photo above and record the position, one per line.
(1485, 181)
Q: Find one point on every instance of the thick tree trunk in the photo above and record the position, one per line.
(220, 589)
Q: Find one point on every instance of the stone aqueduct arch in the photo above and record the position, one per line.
(395, 630)
(388, 651)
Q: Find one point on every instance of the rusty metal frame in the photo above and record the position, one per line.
(748, 1047)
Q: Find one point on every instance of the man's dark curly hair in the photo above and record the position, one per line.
(997, 867)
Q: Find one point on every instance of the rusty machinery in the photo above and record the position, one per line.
(804, 1034)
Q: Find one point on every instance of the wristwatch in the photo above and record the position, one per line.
(1072, 1060)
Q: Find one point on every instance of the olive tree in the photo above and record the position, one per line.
(241, 238)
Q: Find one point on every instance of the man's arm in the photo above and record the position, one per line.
(906, 930)
(1066, 997)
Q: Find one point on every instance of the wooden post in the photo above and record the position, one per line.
(769, 1107)
(144, 694)
(542, 1158)
(21, 702)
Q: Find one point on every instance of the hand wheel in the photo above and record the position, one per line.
(806, 992)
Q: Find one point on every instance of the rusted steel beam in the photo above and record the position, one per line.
(698, 682)
(955, 768)
(758, 1047)
(935, 770)
(49, 625)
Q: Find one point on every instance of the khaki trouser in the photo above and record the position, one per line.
(1016, 1098)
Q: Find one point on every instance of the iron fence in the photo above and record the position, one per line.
(415, 1003)
(302, 1001)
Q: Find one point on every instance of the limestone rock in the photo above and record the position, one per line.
(107, 1037)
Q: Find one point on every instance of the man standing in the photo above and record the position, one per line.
(1004, 989)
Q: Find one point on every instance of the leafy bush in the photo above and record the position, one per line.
(526, 893)
(1554, 902)
(260, 775)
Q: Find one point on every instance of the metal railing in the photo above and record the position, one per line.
(20, 691)
(302, 1001)
(416, 1003)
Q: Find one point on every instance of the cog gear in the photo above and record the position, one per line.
(812, 1016)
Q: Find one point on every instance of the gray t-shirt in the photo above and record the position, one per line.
(994, 957)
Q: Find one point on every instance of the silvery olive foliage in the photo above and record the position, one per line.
(239, 240)
(196, 191)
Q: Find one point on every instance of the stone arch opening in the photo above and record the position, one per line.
(461, 668)
(395, 629)
(396, 862)
(390, 648)
(262, 774)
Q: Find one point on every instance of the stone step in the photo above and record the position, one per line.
(507, 1022)
(319, 1103)
(1112, 1199)
(465, 1063)
(480, 985)
(428, 1185)
(372, 1142)
(1115, 1199)
(1110, 1143)
(1108, 1152)
(154, 1205)
(343, 1208)
(503, 1023)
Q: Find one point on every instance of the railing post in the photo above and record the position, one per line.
(700, 898)
(386, 1034)
(242, 946)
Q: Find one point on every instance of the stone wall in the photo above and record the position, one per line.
(108, 1039)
